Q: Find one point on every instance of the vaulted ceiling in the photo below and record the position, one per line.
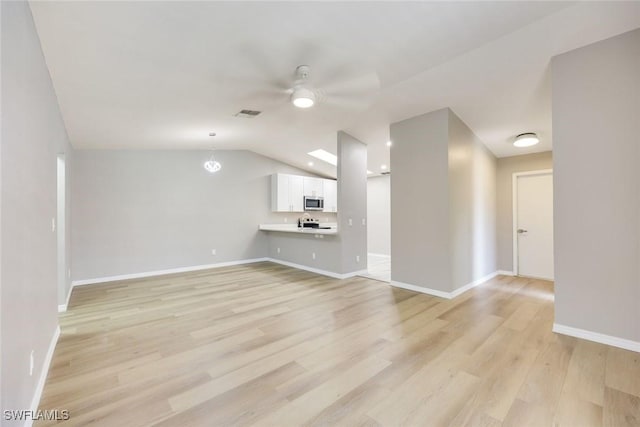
(155, 75)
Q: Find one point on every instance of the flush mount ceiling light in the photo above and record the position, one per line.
(212, 165)
(526, 140)
(302, 96)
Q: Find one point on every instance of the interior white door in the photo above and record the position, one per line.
(534, 225)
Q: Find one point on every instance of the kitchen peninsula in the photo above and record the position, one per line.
(293, 228)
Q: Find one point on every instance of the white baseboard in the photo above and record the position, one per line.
(504, 273)
(63, 307)
(163, 272)
(379, 255)
(421, 289)
(597, 337)
(443, 294)
(44, 371)
(317, 270)
(473, 284)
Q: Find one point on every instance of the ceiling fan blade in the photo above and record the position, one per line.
(366, 85)
(348, 102)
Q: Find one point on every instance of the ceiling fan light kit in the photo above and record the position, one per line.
(526, 140)
(303, 97)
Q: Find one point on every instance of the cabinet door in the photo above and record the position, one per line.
(313, 187)
(280, 193)
(296, 193)
(330, 195)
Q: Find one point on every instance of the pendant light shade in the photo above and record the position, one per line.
(212, 165)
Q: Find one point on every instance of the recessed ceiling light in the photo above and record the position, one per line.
(526, 140)
(389, 144)
(369, 172)
(310, 163)
(325, 156)
(383, 167)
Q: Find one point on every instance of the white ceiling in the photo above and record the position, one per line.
(148, 75)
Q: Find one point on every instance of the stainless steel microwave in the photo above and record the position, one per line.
(313, 203)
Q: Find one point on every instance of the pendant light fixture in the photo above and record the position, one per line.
(212, 165)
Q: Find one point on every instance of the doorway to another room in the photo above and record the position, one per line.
(379, 228)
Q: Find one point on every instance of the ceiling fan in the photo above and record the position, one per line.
(336, 88)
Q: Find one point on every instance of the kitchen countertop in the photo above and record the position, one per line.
(293, 228)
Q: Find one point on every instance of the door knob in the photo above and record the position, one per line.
(521, 231)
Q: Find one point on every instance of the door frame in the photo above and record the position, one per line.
(514, 201)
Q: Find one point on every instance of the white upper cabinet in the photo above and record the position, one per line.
(330, 191)
(312, 187)
(286, 193)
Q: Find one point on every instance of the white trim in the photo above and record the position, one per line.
(317, 270)
(379, 255)
(504, 273)
(514, 207)
(421, 289)
(443, 294)
(473, 284)
(597, 337)
(63, 307)
(46, 363)
(163, 272)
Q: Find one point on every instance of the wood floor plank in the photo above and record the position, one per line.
(268, 345)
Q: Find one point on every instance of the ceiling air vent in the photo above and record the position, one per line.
(248, 114)
(385, 173)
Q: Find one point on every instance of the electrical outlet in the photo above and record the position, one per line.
(53, 225)
(357, 258)
(278, 250)
(350, 222)
(313, 255)
(286, 219)
(364, 221)
(31, 364)
(213, 251)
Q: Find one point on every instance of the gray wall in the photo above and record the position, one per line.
(32, 134)
(472, 205)
(507, 166)
(443, 203)
(352, 202)
(379, 215)
(141, 211)
(420, 201)
(596, 111)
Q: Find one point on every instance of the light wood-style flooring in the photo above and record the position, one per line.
(267, 345)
